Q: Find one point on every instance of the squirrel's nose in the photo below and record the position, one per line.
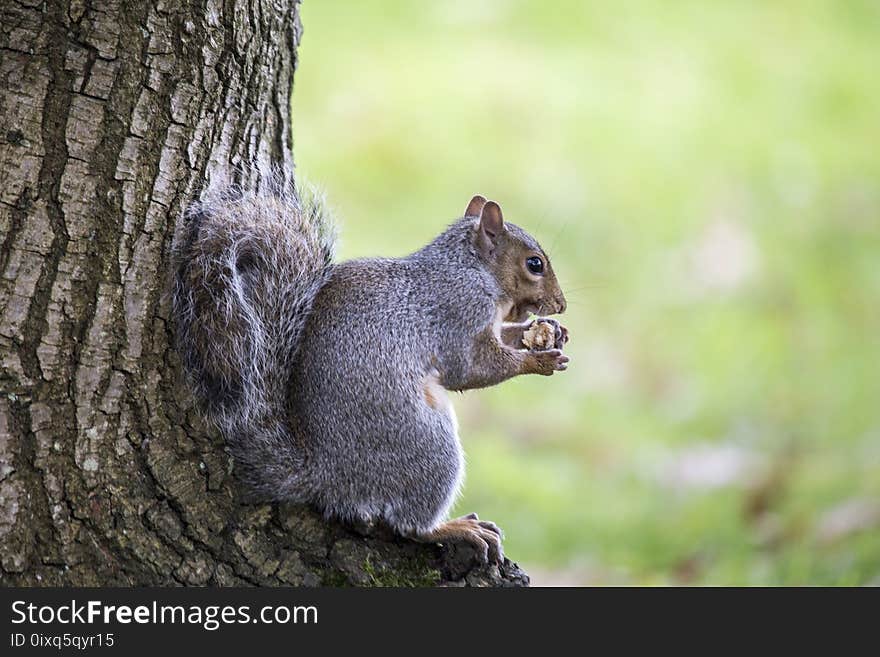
(560, 304)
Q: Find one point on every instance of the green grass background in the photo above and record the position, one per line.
(706, 179)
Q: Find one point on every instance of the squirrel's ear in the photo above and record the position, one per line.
(475, 206)
(491, 225)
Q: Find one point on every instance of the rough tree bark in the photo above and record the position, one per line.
(114, 115)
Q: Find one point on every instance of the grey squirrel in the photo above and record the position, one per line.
(329, 380)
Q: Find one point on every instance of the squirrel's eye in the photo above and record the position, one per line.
(535, 265)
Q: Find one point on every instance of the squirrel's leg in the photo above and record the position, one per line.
(512, 332)
(482, 535)
(492, 362)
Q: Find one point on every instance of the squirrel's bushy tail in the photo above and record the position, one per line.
(246, 268)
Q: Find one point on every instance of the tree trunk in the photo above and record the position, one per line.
(114, 116)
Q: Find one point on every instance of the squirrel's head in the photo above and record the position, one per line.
(518, 262)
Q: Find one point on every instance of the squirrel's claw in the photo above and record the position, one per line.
(495, 553)
(487, 542)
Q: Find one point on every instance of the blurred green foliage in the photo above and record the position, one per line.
(706, 179)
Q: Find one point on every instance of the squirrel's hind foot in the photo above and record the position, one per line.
(482, 535)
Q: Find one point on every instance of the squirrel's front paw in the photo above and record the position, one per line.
(545, 333)
(547, 362)
(560, 333)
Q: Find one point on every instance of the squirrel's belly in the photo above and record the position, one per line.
(437, 398)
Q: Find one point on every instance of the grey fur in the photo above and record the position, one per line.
(323, 377)
(379, 327)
